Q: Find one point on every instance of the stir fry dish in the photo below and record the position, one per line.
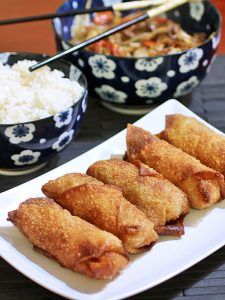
(153, 37)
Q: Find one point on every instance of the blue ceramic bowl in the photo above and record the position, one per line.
(141, 81)
(26, 145)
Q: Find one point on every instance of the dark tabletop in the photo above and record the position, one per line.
(204, 281)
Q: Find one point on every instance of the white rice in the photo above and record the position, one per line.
(27, 96)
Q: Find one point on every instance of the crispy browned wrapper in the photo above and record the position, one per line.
(73, 242)
(158, 198)
(175, 227)
(196, 139)
(204, 186)
(105, 207)
(54, 188)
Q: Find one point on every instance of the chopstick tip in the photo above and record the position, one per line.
(31, 69)
(35, 67)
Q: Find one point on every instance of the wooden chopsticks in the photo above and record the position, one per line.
(169, 5)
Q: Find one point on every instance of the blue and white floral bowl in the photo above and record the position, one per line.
(28, 146)
(143, 81)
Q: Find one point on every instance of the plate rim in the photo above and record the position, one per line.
(150, 285)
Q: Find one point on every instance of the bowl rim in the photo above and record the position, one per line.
(61, 61)
(210, 37)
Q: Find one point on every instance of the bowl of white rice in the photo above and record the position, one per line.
(40, 111)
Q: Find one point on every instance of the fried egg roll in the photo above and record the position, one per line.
(105, 207)
(159, 199)
(54, 188)
(196, 139)
(73, 242)
(204, 186)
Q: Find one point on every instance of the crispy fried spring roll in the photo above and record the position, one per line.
(204, 186)
(196, 139)
(159, 199)
(105, 207)
(54, 188)
(73, 242)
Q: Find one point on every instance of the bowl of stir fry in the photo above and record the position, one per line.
(150, 62)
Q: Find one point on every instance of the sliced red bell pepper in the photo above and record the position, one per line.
(114, 49)
(148, 43)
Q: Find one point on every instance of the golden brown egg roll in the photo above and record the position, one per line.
(105, 207)
(73, 242)
(159, 199)
(196, 139)
(204, 186)
(54, 188)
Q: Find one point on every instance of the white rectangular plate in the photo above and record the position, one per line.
(170, 256)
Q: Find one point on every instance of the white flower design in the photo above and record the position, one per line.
(197, 10)
(152, 87)
(148, 65)
(20, 133)
(4, 57)
(63, 140)
(109, 94)
(102, 67)
(63, 118)
(26, 157)
(186, 87)
(215, 41)
(190, 60)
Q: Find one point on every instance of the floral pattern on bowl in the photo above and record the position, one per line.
(63, 118)
(102, 67)
(109, 94)
(139, 81)
(197, 10)
(20, 133)
(152, 87)
(28, 144)
(186, 87)
(143, 64)
(190, 60)
(26, 157)
(63, 140)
